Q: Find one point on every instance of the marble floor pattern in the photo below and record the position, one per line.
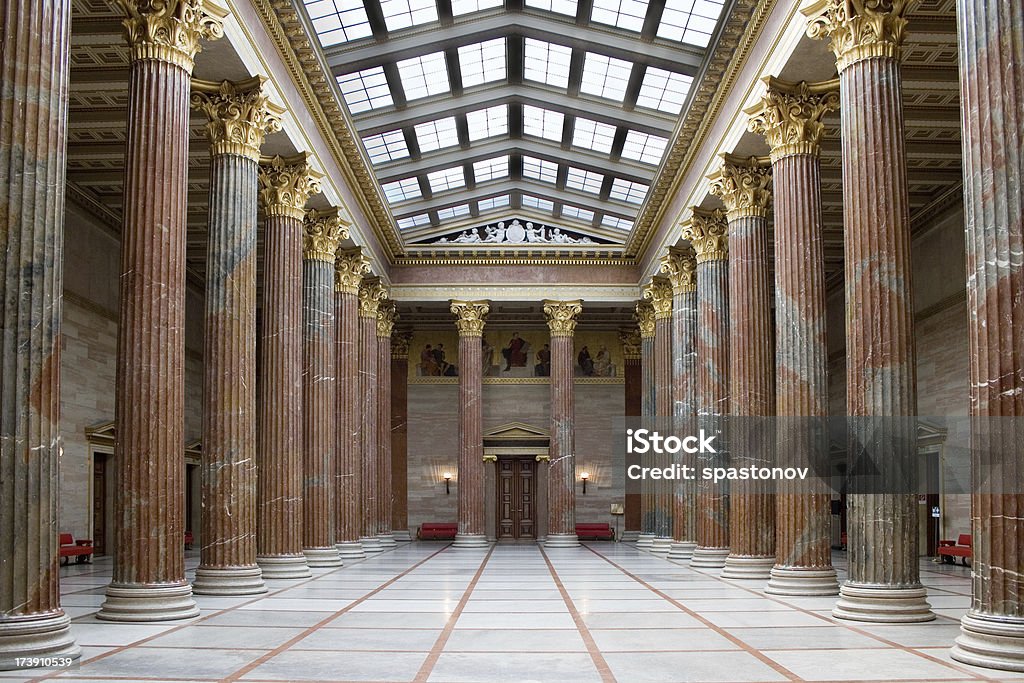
(430, 613)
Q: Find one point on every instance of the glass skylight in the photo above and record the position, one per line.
(366, 89)
(571, 211)
(643, 147)
(460, 7)
(487, 123)
(492, 203)
(431, 135)
(537, 203)
(546, 63)
(386, 146)
(446, 179)
(627, 14)
(490, 169)
(543, 123)
(403, 13)
(424, 76)
(616, 222)
(605, 76)
(593, 135)
(663, 90)
(628, 191)
(567, 7)
(690, 21)
(482, 62)
(540, 169)
(338, 21)
(413, 221)
(401, 190)
(581, 179)
(451, 212)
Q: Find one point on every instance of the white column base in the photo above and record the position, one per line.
(748, 568)
(645, 541)
(681, 550)
(991, 641)
(322, 557)
(139, 602)
(371, 544)
(661, 545)
(402, 535)
(350, 550)
(629, 536)
(46, 636)
(229, 581)
(562, 541)
(287, 567)
(387, 539)
(470, 541)
(802, 582)
(709, 558)
(882, 604)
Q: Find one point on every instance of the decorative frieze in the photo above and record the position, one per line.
(789, 115)
(240, 115)
(708, 232)
(469, 316)
(742, 184)
(171, 30)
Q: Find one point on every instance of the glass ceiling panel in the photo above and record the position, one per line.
(487, 123)
(338, 21)
(571, 211)
(401, 190)
(616, 222)
(424, 76)
(404, 13)
(432, 135)
(587, 181)
(690, 21)
(413, 221)
(460, 7)
(482, 62)
(366, 89)
(543, 123)
(546, 63)
(492, 203)
(446, 179)
(490, 169)
(593, 135)
(643, 147)
(605, 76)
(567, 7)
(386, 146)
(543, 205)
(663, 90)
(628, 191)
(627, 14)
(451, 212)
(540, 169)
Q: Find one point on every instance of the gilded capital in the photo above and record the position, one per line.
(630, 341)
(858, 29)
(742, 184)
(322, 232)
(645, 319)
(708, 232)
(371, 294)
(658, 292)
(170, 30)
(562, 316)
(240, 115)
(469, 316)
(387, 316)
(789, 115)
(681, 269)
(286, 184)
(400, 342)
(350, 265)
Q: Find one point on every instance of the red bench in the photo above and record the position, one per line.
(81, 549)
(950, 550)
(595, 532)
(437, 531)
(189, 540)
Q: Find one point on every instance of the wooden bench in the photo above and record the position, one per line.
(81, 549)
(437, 531)
(595, 532)
(950, 550)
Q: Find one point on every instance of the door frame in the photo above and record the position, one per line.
(522, 440)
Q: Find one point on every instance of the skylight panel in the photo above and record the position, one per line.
(487, 123)
(566, 7)
(366, 89)
(628, 191)
(643, 147)
(413, 221)
(571, 211)
(546, 63)
(401, 190)
(460, 7)
(663, 90)
(482, 62)
(492, 203)
(338, 21)
(540, 169)
(593, 135)
(424, 76)
(605, 76)
(587, 181)
(404, 13)
(446, 179)
(431, 135)
(537, 203)
(627, 14)
(386, 146)
(450, 212)
(616, 222)
(490, 169)
(690, 21)
(543, 123)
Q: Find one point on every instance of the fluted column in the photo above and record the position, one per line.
(645, 320)
(386, 317)
(148, 580)
(322, 233)
(286, 184)
(371, 294)
(400, 434)
(349, 268)
(469, 318)
(629, 340)
(789, 116)
(681, 268)
(884, 582)
(742, 184)
(562, 317)
(707, 233)
(33, 79)
(239, 116)
(659, 293)
(992, 102)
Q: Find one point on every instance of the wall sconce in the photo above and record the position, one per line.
(447, 483)
(584, 476)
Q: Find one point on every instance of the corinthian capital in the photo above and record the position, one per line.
(240, 115)
(400, 341)
(322, 232)
(371, 294)
(170, 30)
(708, 232)
(562, 316)
(286, 184)
(387, 316)
(742, 185)
(630, 341)
(789, 115)
(350, 265)
(644, 316)
(858, 29)
(469, 316)
(658, 292)
(681, 269)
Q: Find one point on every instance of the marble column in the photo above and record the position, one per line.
(387, 315)
(323, 231)
(645, 321)
(659, 293)
(992, 101)
(148, 580)
(286, 184)
(469, 318)
(33, 144)
(742, 184)
(681, 268)
(884, 581)
(562, 317)
(400, 434)
(240, 116)
(371, 295)
(629, 340)
(789, 117)
(707, 233)
(350, 266)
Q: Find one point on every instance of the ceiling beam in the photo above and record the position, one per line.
(543, 190)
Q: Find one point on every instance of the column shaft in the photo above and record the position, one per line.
(368, 389)
(399, 439)
(562, 465)
(470, 322)
(660, 293)
(684, 386)
(385, 323)
(348, 465)
(648, 403)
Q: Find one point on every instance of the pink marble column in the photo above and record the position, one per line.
(884, 581)
(400, 434)
(630, 342)
(992, 100)
(149, 581)
(562, 317)
(469, 318)
(789, 116)
(659, 293)
(33, 143)
(386, 317)
(645, 320)
(371, 294)
(240, 116)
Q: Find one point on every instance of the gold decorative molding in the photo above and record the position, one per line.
(350, 265)
(239, 115)
(681, 269)
(286, 184)
(858, 29)
(400, 340)
(658, 292)
(371, 294)
(322, 232)
(543, 457)
(645, 319)
(742, 185)
(517, 380)
(629, 338)
(469, 316)
(387, 316)
(789, 115)
(170, 30)
(562, 316)
(708, 232)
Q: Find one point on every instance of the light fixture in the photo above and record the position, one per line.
(584, 476)
(447, 483)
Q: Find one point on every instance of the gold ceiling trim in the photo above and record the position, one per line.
(538, 260)
(517, 380)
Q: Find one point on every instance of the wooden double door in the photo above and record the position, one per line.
(517, 498)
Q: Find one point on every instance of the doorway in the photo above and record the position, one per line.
(99, 503)
(516, 498)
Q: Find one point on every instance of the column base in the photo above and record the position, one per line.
(629, 536)
(229, 581)
(748, 567)
(470, 541)
(350, 550)
(387, 539)
(148, 602)
(661, 545)
(882, 604)
(45, 636)
(709, 558)
(322, 557)
(802, 582)
(402, 535)
(645, 541)
(371, 544)
(287, 567)
(562, 541)
(681, 550)
(990, 641)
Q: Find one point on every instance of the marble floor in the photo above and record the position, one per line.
(428, 612)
